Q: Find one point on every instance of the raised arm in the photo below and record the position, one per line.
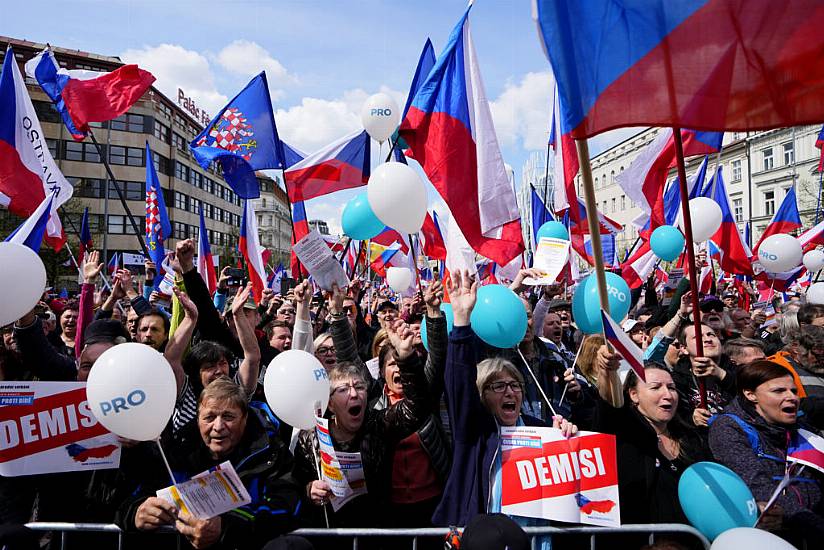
(91, 270)
(250, 366)
(180, 338)
(404, 417)
(302, 335)
(438, 340)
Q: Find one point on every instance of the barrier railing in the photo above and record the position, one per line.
(653, 530)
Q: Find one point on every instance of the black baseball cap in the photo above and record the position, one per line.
(712, 303)
(104, 330)
(387, 304)
(493, 532)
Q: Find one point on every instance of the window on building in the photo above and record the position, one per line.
(132, 156)
(769, 203)
(217, 213)
(161, 163)
(611, 177)
(613, 205)
(736, 170)
(207, 210)
(91, 188)
(208, 185)
(789, 152)
(54, 147)
(196, 179)
(46, 112)
(129, 122)
(76, 220)
(181, 171)
(181, 230)
(119, 225)
(769, 162)
(132, 190)
(195, 205)
(604, 207)
(181, 201)
(85, 152)
(161, 131)
(623, 202)
(165, 109)
(179, 143)
(738, 209)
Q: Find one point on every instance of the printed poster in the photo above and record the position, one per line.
(545, 475)
(48, 427)
(342, 471)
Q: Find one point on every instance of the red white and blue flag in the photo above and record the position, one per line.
(114, 263)
(251, 250)
(624, 345)
(28, 173)
(566, 162)
(433, 244)
(622, 63)
(819, 142)
(639, 266)
(737, 256)
(806, 448)
(300, 228)
(83, 96)
(785, 220)
(205, 260)
(86, 242)
(273, 282)
(30, 232)
(450, 133)
(343, 164)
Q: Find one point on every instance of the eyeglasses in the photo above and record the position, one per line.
(325, 350)
(500, 387)
(287, 311)
(341, 391)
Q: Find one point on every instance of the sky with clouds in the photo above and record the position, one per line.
(322, 58)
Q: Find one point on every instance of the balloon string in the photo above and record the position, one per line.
(166, 462)
(538, 384)
(320, 477)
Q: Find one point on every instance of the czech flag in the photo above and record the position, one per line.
(343, 164)
(639, 266)
(30, 232)
(566, 160)
(624, 345)
(450, 133)
(82, 96)
(300, 228)
(540, 215)
(28, 173)
(687, 64)
(785, 220)
(806, 448)
(251, 250)
(205, 261)
(819, 142)
(86, 242)
(737, 255)
(114, 263)
(433, 243)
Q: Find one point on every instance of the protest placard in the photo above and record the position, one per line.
(545, 475)
(317, 258)
(208, 494)
(551, 256)
(48, 427)
(342, 471)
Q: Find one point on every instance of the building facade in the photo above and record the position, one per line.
(758, 169)
(168, 128)
(320, 226)
(274, 222)
(533, 175)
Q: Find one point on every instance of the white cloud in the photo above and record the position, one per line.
(522, 112)
(176, 67)
(249, 58)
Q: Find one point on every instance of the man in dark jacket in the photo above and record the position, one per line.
(227, 430)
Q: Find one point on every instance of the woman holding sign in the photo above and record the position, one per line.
(482, 397)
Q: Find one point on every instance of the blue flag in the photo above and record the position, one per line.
(243, 138)
(540, 215)
(158, 227)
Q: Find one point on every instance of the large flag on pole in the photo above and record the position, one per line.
(425, 63)
(158, 227)
(703, 64)
(243, 138)
(30, 232)
(566, 162)
(450, 133)
(785, 220)
(82, 96)
(433, 243)
(819, 143)
(86, 242)
(205, 261)
(737, 256)
(251, 250)
(28, 173)
(540, 215)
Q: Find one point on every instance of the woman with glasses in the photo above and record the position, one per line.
(481, 397)
(356, 428)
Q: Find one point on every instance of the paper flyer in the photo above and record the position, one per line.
(317, 258)
(208, 494)
(342, 471)
(551, 256)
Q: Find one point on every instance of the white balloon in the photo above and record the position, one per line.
(397, 196)
(814, 260)
(131, 390)
(705, 215)
(815, 294)
(749, 538)
(398, 278)
(22, 281)
(380, 116)
(295, 380)
(779, 253)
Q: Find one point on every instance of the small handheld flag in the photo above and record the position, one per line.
(624, 345)
(806, 448)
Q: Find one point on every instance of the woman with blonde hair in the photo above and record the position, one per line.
(587, 362)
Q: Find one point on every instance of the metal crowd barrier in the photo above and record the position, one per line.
(653, 530)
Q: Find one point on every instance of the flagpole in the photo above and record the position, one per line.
(685, 214)
(818, 199)
(616, 394)
(138, 232)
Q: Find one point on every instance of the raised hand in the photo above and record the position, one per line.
(463, 290)
(402, 338)
(518, 284)
(184, 256)
(241, 297)
(336, 303)
(223, 281)
(432, 297)
(92, 267)
(189, 308)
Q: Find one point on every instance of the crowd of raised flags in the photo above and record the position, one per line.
(447, 128)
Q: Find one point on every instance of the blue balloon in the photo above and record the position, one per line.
(667, 242)
(499, 316)
(554, 230)
(358, 220)
(586, 302)
(450, 321)
(715, 499)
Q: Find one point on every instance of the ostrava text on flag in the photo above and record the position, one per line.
(205, 261)
(450, 133)
(83, 96)
(687, 64)
(343, 164)
(243, 138)
(158, 226)
(28, 173)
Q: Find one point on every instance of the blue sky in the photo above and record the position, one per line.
(322, 58)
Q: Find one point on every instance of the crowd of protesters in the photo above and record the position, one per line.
(426, 420)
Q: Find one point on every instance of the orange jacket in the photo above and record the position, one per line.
(783, 359)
